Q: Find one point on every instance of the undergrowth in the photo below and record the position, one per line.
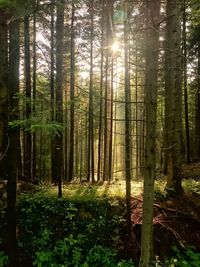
(186, 258)
(85, 228)
(77, 233)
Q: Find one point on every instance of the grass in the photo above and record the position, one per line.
(75, 190)
(117, 189)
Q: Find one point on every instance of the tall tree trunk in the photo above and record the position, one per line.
(185, 86)
(197, 109)
(128, 171)
(13, 148)
(151, 86)
(52, 91)
(101, 96)
(136, 114)
(34, 91)
(90, 126)
(4, 142)
(59, 94)
(111, 125)
(72, 85)
(109, 37)
(27, 69)
(81, 151)
(173, 97)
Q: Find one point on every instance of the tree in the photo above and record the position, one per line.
(3, 88)
(185, 83)
(128, 142)
(108, 42)
(197, 110)
(59, 94)
(151, 87)
(34, 89)
(72, 87)
(13, 135)
(52, 90)
(90, 126)
(173, 97)
(27, 74)
(101, 94)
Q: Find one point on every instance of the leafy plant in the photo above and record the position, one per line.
(3, 259)
(61, 232)
(188, 258)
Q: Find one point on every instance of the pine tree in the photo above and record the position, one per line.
(151, 87)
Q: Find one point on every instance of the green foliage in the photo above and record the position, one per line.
(69, 253)
(18, 8)
(192, 185)
(59, 232)
(33, 125)
(3, 259)
(188, 258)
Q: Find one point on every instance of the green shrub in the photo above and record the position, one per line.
(188, 258)
(59, 232)
(69, 253)
(3, 259)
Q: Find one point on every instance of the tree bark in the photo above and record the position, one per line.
(59, 94)
(90, 169)
(4, 142)
(72, 85)
(27, 70)
(101, 96)
(173, 97)
(128, 171)
(13, 134)
(185, 84)
(52, 91)
(197, 109)
(34, 92)
(151, 87)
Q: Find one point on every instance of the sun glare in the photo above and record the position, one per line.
(84, 74)
(115, 47)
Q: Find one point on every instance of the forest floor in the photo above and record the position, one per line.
(176, 220)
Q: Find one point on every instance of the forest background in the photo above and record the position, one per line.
(99, 91)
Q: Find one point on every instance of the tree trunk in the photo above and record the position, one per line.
(90, 169)
(101, 96)
(52, 91)
(151, 86)
(109, 37)
(59, 95)
(72, 85)
(34, 92)
(128, 171)
(13, 134)
(111, 125)
(197, 109)
(4, 142)
(185, 86)
(27, 69)
(173, 97)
